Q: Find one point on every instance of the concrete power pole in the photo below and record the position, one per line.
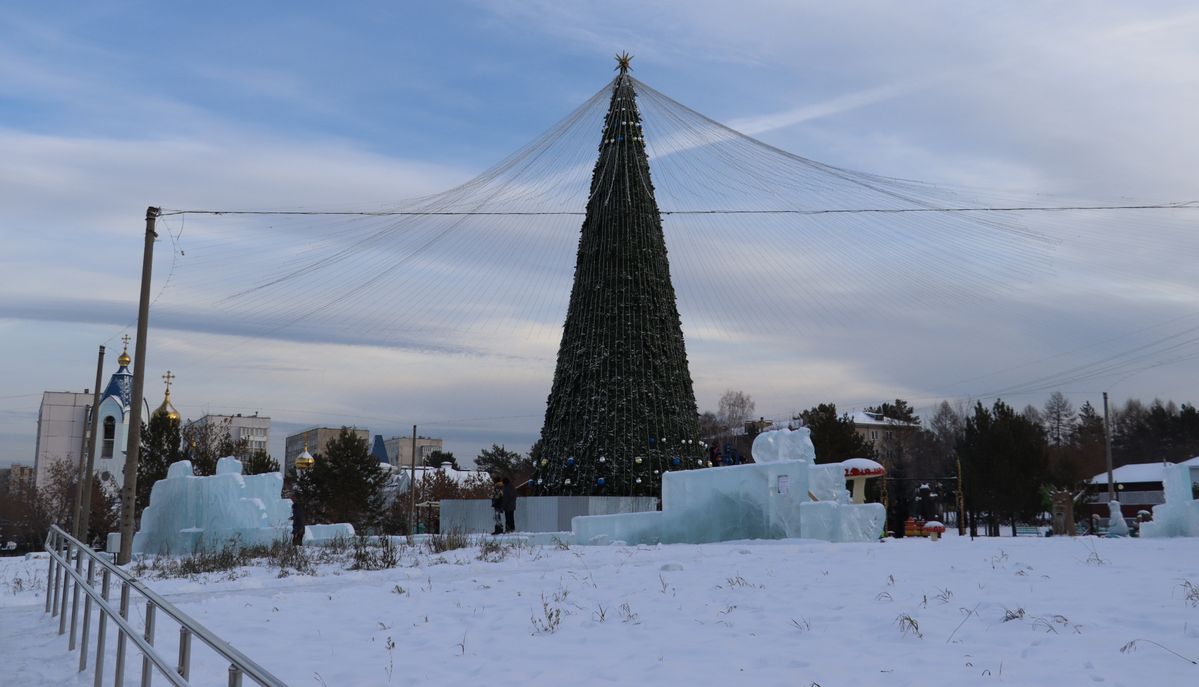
(412, 488)
(133, 448)
(85, 480)
(1107, 441)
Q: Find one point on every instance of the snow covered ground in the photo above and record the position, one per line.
(1078, 611)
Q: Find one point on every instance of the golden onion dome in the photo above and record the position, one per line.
(305, 461)
(167, 409)
(124, 358)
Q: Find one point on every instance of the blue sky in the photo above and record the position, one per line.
(107, 108)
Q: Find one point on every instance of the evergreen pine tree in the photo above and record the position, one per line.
(436, 458)
(344, 485)
(834, 435)
(499, 462)
(258, 463)
(160, 441)
(1004, 464)
(899, 410)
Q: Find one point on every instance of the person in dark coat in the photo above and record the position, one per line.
(297, 523)
(497, 505)
(509, 502)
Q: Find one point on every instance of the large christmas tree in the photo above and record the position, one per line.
(622, 409)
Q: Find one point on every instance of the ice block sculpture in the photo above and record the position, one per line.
(781, 495)
(784, 444)
(752, 501)
(1179, 515)
(188, 514)
(1116, 527)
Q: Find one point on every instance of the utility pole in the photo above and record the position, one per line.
(85, 503)
(1107, 441)
(412, 488)
(961, 501)
(78, 499)
(133, 448)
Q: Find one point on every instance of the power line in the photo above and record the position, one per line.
(1187, 205)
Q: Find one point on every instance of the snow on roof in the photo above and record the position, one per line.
(862, 467)
(1139, 472)
(459, 477)
(862, 418)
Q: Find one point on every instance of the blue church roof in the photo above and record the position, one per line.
(120, 386)
(378, 450)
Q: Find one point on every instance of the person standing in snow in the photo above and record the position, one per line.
(509, 503)
(497, 506)
(297, 522)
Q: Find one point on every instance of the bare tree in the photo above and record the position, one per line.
(1032, 414)
(1058, 417)
(709, 426)
(735, 408)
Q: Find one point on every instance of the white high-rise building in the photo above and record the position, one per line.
(61, 431)
(254, 429)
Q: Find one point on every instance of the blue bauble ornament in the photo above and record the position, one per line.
(676, 461)
(570, 461)
(600, 481)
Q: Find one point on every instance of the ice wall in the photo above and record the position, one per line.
(188, 513)
(781, 495)
(843, 522)
(1179, 515)
(752, 501)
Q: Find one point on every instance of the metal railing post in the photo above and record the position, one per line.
(57, 572)
(185, 652)
(66, 587)
(52, 545)
(87, 614)
(75, 598)
(101, 631)
(74, 582)
(119, 672)
(147, 668)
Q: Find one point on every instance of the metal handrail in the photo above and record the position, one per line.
(62, 578)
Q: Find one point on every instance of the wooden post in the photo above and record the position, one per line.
(78, 497)
(85, 505)
(129, 488)
(1107, 443)
(412, 488)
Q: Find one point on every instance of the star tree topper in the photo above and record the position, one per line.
(622, 61)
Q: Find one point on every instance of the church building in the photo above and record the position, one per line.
(113, 427)
(64, 420)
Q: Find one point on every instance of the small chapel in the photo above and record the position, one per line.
(113, 424)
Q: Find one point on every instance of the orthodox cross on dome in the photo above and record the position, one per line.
(123, 360)
(622, 61)
(166, 408)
